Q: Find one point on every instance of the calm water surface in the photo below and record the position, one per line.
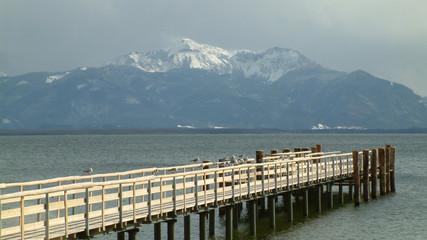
(396, 216)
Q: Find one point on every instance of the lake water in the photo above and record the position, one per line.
(402, 215)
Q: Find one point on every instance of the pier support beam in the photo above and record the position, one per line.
(392, 169)
(229, 223)
(187, 227)
(272, 211)
(319, 198)
(381, 161)
(366, 175)
(340, 194)
(350, 191)
(236, 210)
(158, 231)
(330, 195)
(212, 222)
(387, 169)
(289, 207)
(305, 199)
(171, 229)
(121, 235)
(252, 216)
(132, 234)
(356, 177)
(202, 226)
(374, 174)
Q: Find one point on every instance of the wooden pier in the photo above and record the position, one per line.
(84, 207)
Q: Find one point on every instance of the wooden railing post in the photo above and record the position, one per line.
(87, 229)
(174, 196)
(0, 215)
(66, 213)
(196, 193)
(46, 223)
(22, 218)
(149, 201)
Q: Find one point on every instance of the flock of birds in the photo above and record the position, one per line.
(222, 162)
(226, 161)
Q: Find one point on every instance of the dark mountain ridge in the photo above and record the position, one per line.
(252, 95)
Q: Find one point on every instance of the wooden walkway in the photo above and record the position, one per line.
(87, 206)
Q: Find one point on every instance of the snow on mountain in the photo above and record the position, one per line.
(52, 78)
(2, 74)
(188, 54)
(271, 64)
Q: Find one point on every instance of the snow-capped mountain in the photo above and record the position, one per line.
(188, 54)
(197, 85)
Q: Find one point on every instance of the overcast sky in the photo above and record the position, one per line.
(386, 38)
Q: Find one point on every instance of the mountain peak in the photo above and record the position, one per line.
(186, 53)
(186, 44)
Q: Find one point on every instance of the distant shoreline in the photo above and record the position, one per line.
(23, 132)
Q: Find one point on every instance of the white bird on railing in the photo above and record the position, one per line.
(196, 159)
(155, 172)
(223, 159)
(89, 171)
(174, 170)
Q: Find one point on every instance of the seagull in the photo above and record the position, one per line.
(89, 171)
(196, 159)
(223, 159)
(174, 170)
(233, 157)
(155, 172)
(242, 156)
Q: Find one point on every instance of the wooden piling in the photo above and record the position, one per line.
(305, 199)
(381, 162)
(132, 233)
(236, 210)
(121, 236)
(286, 150)
(289, 207)
(229, 222)
(259, 155)
(319, 147)
(374, 174)
(187, 227)
(158, 231)
(340, 194)
(330, 195)
(272, 211)
(387, 169)
(319, 198)
(365, 175)
(212, 222)
(202, 226)
(252, 217)
(171, 229)
(356, 178)
(393, 169)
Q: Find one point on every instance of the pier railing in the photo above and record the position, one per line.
(84, 205)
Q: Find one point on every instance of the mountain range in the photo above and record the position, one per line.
(194, 85)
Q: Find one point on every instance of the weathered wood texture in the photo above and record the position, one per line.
(83, 208)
